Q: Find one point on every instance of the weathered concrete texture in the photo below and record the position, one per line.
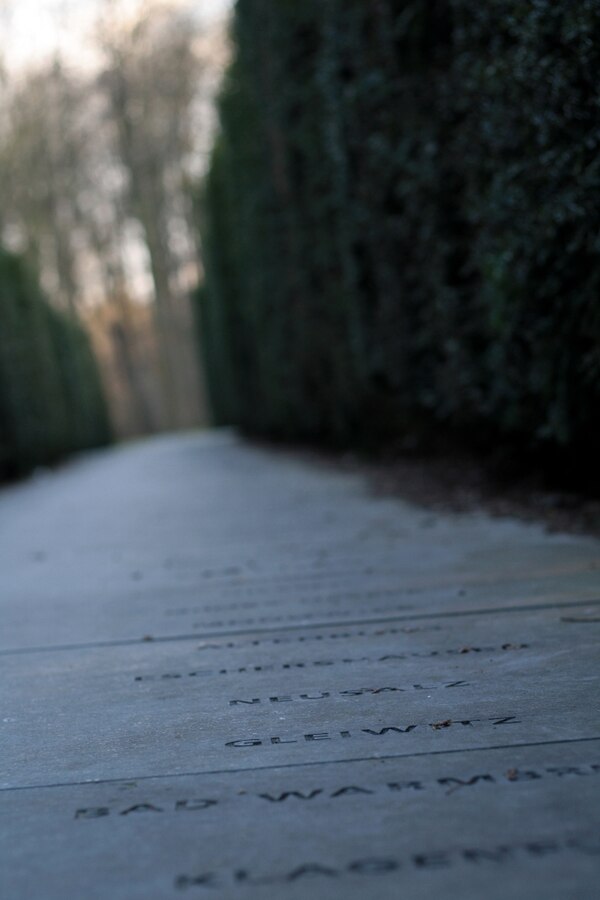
(230, 673)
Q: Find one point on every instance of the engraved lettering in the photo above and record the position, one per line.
(141, 807)
(298, 794)
(311, 869)
(185, 881)
(542, 848)
(384, 690)
(374, 866)
(567, 770)
(192, 805)
(243, 877)
(459, 782)
(404, 785)
(350, 692)
(428, 861)
(518, 775)
(94, 812)
(351, 790)
(252, 742)
(497, 854)
(395, 728)
(398, 729)
(431, 861)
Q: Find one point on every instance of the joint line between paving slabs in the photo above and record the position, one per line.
(339, 623)
(323, 762)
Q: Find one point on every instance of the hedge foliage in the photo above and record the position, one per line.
(51, 401)
(401, 222)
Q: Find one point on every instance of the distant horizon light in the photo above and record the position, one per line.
(33, 30)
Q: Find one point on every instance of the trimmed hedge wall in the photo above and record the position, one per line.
(401, 223)
(51, 402)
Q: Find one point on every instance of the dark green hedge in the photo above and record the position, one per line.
(401, 222)
(51, 401)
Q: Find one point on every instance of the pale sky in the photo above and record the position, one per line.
(32, 29)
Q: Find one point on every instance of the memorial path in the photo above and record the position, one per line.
(229, 673)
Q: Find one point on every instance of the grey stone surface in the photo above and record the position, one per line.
(231, 673)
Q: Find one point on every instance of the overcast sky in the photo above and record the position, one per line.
(31, 29)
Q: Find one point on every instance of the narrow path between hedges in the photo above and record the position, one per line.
(229, 672)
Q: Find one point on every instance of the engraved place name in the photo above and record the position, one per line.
(325, 663)
(420, 727)
(101, 812)
(447, 786)
(342, 569)
(497, 855)
(267, 577)
(302, 617)
(330, 597)
(352, 692)
(257, 573)
(363, 632)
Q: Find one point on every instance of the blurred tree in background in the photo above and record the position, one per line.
(149, 84)
(97, 153)
(401, 224)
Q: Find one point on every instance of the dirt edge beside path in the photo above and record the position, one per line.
(461, 483)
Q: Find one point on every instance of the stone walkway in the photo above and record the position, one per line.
(232, 674)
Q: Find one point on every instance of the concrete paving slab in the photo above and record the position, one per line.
(264, 706)
(505, 823)
(232, 673)
(149, 614)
